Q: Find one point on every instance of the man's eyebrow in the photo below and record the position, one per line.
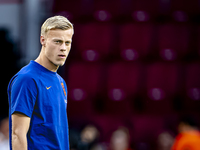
(69, 41)
(57, 39)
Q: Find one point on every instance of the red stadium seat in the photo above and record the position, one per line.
(100, 10)
(145, 10)
(94, 41)
(192, 87)
(181, 10)
(75, 10)
(135, 41)
(104, 10)
(146, 128)
(161, 84)
(173, 41)
(83, 85)
(122, 85)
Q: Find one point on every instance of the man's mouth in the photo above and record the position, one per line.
(62, 56)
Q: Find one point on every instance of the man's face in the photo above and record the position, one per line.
(57, 44)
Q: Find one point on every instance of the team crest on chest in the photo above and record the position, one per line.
(63, 87)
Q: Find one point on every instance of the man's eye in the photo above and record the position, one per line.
(67, 43)
(57, 42)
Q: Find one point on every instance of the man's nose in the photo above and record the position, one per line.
(63, 47)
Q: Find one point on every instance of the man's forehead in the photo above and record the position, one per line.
(60, 33)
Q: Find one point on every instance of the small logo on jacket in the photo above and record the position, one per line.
(48, 87)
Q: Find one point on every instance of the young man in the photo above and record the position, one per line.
(38, 95)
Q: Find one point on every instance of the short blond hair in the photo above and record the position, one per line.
(56, 22)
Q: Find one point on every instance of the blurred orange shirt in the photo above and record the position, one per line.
(187, 141)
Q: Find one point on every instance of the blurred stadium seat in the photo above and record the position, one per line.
(145, 10)
(135, 41)
(184, 10)
(83, 87)
(145, 127)
(122, 85)
(104, 10)
(94, 41)
(173, 41)
(74, 10)
(161, 85)
(192, 87)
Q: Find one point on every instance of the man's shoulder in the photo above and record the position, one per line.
(25, 75)
(22, 81)
(28, 72)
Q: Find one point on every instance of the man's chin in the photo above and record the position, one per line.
(60, 64)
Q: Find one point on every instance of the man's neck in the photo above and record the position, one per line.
(42, 60)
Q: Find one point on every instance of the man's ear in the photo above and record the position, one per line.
(42, 40)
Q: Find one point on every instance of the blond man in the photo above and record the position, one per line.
(38, 95)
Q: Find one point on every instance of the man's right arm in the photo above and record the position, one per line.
(20, 126)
